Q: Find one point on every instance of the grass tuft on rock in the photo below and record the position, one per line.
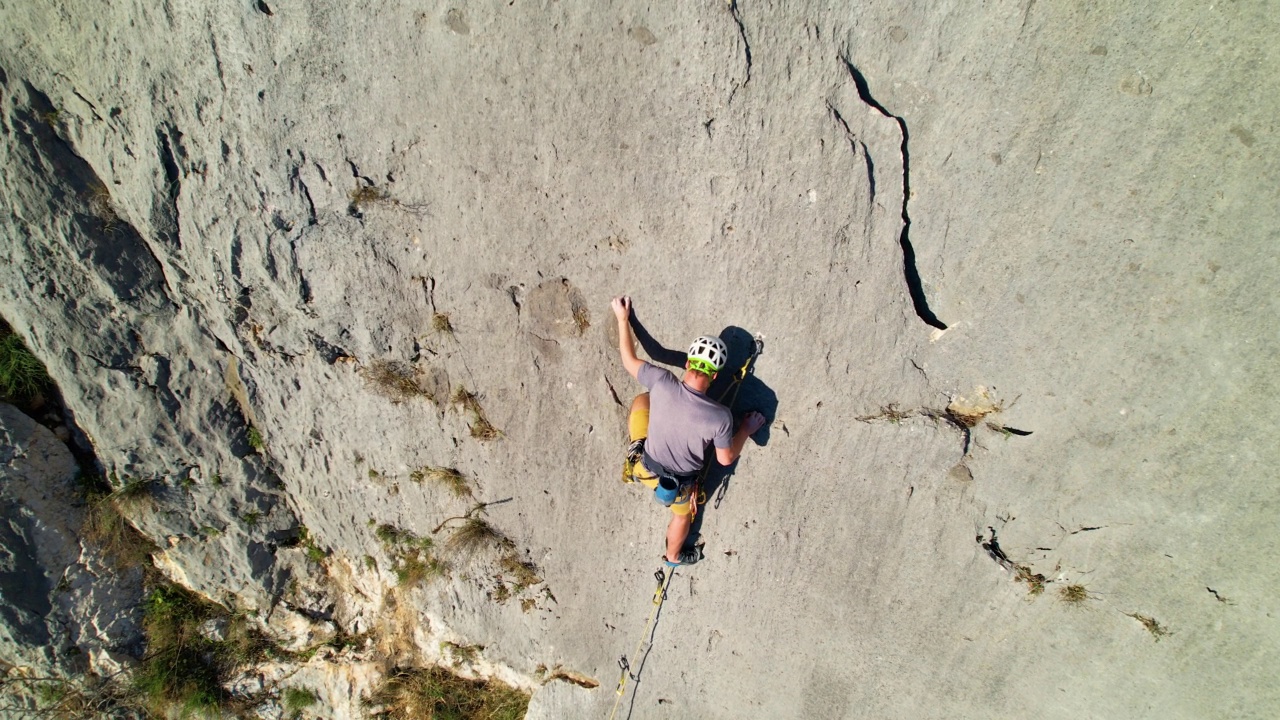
(391, 536)
(106, 527)
(524, 572)
(441, 323)
(1152, 625)
(474, 534)
(414, 564)
(451, 478)
(22, 375)
(438, 693)
(365, 195)
(1073, 594)
(256, 441)
(417, 566)
(193, 647)
(394, 380)
(481, 428)
(181, 670)
(295, 699)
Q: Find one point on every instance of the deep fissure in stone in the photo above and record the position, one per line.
(914, 285)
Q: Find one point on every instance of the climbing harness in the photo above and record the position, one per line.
(659, 595)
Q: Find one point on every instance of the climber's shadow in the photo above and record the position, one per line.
(655, 349)
(740, 396)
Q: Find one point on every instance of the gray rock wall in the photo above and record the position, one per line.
(1064, 213)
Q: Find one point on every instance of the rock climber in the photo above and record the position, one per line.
(674, 423)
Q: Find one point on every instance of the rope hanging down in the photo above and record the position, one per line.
(659, 595)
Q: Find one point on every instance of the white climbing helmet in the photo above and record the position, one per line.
(708, 354)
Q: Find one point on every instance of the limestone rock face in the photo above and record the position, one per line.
(1012, 264)
(64, 609)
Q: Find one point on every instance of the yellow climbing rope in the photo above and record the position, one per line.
(659, 595)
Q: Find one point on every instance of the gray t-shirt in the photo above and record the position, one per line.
(682, 422)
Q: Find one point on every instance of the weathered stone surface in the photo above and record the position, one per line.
(1090, 193)
(64, 610)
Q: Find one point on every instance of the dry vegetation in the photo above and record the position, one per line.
(476, 533)
(1152, 625)
(888, 412)
(102, 207)
(1073, 594)
(395, 380)
(524, 572)
(106, 527)
(450, 478)
(481, 428)
(436, 693)
(365, 195)
(414, 563)
(560, 673)
(440, 323)
(581, 318)
(1035, 581)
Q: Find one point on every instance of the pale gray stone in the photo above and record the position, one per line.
(1092, 221)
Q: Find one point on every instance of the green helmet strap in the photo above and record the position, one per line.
(703, 366)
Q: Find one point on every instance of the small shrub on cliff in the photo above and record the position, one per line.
(256, 441)
(414, 564)
(437, 693)
(22, 375)
(476, 533)
(524, 572)
(394, 380)
(366, 195)
(180, 671)
(481, 428)
(186, 664)
(107, 529)
(417, 567)
(314, 552)
(451, 478)
(296, 699)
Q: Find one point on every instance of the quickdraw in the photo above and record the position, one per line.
(659, 596)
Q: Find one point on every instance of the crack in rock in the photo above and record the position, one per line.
(914, 285)
(736, 13)
(854, 144)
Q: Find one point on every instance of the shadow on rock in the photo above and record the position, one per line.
(741, 395)
(653, 348)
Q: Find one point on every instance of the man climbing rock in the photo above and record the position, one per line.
(674, 424)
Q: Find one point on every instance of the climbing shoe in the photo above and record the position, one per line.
(635, 453)
(688, 556)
